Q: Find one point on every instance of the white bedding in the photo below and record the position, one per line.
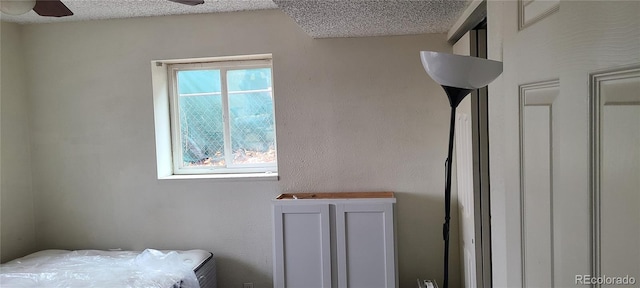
(94, 268)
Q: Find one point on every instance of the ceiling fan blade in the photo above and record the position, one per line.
(51, 8)
(189, 2)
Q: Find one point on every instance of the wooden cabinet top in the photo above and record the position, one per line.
(335, 195)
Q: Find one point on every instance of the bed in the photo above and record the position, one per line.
(97, 268)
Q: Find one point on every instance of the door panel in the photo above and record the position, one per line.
(365, 245)
(536, 174)
(301, 236)
(616, 155)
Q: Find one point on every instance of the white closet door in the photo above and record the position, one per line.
(464, 169)
(464, 181)
(564, 137)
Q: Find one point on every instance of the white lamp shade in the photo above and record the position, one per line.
(16, 7)
(460, 71)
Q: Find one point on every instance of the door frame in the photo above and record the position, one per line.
(474, 21)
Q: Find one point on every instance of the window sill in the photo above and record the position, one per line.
(231, 177)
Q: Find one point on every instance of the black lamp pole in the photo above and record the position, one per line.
(455, 97)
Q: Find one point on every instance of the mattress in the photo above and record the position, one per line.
(97, 268)
(203, 264)
(206, 270)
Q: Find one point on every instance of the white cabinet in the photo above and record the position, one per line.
(340, 240)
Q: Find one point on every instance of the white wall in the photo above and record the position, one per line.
(17, 226)
(352, 115)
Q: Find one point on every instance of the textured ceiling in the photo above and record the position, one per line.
(355, 18)
(111, 9)
(318, 18)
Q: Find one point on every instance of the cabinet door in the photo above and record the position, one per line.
(365, 245)
(302, 246)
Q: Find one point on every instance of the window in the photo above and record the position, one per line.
(222, 117)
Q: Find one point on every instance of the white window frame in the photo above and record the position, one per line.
(174, 111)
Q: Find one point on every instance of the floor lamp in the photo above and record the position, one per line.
(458, 75)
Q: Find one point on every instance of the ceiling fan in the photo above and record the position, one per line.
(54, 8)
